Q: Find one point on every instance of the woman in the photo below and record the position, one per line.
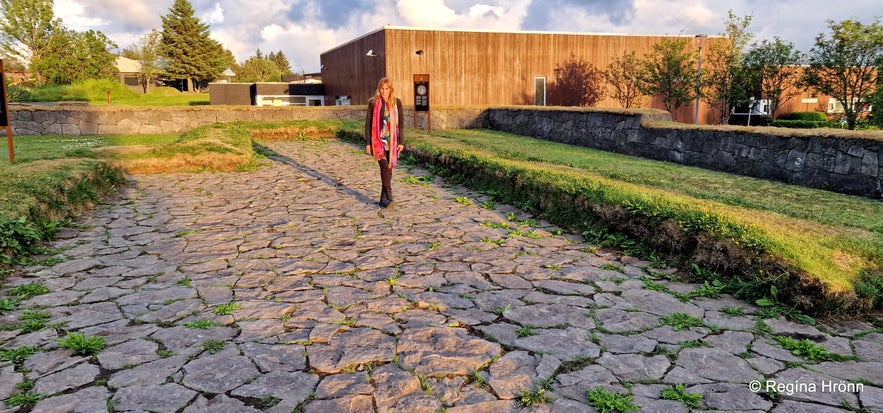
(384, 135)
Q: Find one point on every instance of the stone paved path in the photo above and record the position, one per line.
(309, 300)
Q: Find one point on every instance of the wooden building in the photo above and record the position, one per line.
(468, 68)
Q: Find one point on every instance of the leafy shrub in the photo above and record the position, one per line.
(755, 120)
(799, 124)
(807, 116)
(17, 237)
(17, 93)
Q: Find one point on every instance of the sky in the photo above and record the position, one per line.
(304, 29)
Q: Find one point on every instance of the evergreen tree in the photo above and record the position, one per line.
(26, 30)
(281, 61)
(189, 51)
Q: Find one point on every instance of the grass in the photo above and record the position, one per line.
(81, 344)
(822, 250)
(95, 92)
(611, 402)
(18, 355)
(226, 308)
(679, 392)
(809, 350)
(681, 321)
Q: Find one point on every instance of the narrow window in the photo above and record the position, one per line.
(539, 91)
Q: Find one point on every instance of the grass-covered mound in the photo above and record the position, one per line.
(40, 196)
(818, 251)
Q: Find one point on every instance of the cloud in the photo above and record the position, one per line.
(215, 16)
(489, 15)
(559, 15)
(303, 29)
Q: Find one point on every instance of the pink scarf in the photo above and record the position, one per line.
(376, 124)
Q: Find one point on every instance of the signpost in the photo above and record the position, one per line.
(4, 114)
(421, 99)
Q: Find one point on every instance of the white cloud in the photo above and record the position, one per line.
(72, 15)
(215, 16)
(300, 30)
(271, 32)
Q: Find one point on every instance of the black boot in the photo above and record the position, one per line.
(384, 201)
(386, 198)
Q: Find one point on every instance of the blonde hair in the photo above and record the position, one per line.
(392, 91)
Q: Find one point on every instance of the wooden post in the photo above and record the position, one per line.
(4, 117)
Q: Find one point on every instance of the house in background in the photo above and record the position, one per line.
(129, 73)
(481, 68)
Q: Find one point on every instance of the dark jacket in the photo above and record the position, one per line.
(369, 120)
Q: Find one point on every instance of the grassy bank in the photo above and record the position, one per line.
(97, 92)
(52, 182)
(818, 251)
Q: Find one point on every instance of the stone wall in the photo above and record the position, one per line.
(82, 119)
(842, 161)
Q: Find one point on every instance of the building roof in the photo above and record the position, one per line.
(126, 65)
(510, 31)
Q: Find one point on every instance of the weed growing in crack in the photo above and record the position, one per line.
(81, 344)
(611, 402)
(679, 392)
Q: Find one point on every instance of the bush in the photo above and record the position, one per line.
(88, 90)
(799, 124)
(16, 93)
(756, 120)
(807, 116)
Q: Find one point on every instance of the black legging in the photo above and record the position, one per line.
(385, 175)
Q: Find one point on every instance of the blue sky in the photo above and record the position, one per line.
(303, 29)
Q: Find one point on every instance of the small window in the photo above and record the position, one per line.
(539, 91)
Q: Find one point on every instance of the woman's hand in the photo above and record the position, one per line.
(400, 148)
(368, 149)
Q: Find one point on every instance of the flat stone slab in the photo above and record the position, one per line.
(283, 289)
(434, 351)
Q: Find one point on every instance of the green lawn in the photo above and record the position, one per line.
(96, 92)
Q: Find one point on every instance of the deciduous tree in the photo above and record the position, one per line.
(26, 30)
(845, 65)
(773, 68)
(258, 69)
(623, 75)
(189, 51)
(723, 57)
(669, 72)
(146, 52)
(75, 56)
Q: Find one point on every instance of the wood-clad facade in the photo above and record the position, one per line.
(474, 67)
